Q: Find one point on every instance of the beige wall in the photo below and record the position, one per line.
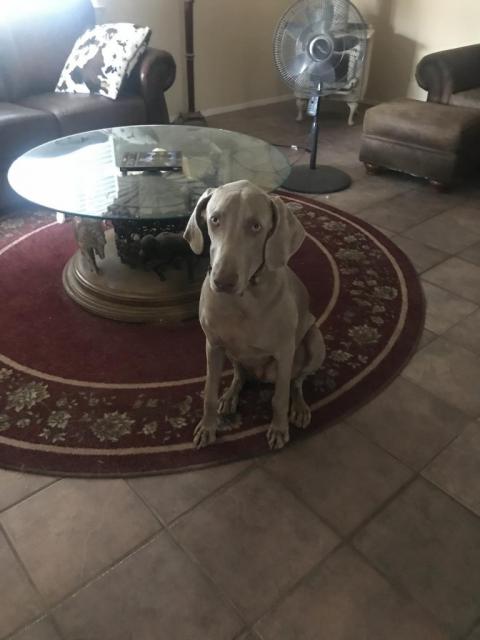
(406, 30)
(233, 43)
(233, 46)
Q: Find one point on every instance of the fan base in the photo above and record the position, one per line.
(322, 179)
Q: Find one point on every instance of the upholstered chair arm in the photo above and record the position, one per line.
(447, 72)
(152, 76)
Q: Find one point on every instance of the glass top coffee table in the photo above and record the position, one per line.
(132, 263)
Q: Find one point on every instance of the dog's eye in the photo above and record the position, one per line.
(215, 220)
(256, 226)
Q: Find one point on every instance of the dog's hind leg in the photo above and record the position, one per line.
(229, 400)
(313, 352)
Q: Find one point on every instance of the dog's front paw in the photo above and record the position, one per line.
(277, 437)
(204, 434)
(300, 414)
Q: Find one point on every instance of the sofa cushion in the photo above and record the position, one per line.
(22, 128)
(81, 112)
(102, 58)
(423, 124)
(470, 98)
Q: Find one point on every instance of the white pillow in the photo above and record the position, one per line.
(102, 58)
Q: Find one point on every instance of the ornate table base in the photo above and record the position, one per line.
(120, 292)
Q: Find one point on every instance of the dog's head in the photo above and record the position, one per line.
(248, 230)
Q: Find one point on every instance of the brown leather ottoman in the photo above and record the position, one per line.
(433, 141)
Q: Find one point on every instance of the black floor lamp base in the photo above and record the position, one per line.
(194, 119)
(322, 179)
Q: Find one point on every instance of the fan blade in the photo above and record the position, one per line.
(316, 11)
(345, 43)
(327, 15)
(294, 29)
(298, 64)
(320, 72)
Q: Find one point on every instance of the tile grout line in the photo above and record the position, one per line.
(348, 539)
(216, 588)
(50, 609)
(216, 491)
(419, 472)
(463, 319)
(343, 540)
(392, 581)
(384, 201)
(41, 600)
(325, 521)
(422, 277)
(399, 588)
(287, 590)
(45, 617)
(297, 583)
(30, 495)
(255, 464)
(190, 556)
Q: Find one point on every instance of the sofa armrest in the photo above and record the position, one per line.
(447, 72)
(156, 68)
(152, 76)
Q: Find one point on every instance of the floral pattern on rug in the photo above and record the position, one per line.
(365, 315)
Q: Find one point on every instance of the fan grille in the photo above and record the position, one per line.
(319, 46)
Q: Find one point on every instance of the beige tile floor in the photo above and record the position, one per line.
(368, 531)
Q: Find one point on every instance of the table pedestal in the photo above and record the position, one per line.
(120, 292)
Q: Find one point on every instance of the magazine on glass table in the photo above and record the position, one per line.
(153, 160)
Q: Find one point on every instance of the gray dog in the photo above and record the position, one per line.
(253, 308)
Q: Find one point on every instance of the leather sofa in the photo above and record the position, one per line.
(452, 76)
(32, 55)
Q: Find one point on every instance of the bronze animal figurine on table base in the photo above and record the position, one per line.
(90, 236)
(166, 250)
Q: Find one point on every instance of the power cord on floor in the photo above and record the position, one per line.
(292, 147)
(295, 147)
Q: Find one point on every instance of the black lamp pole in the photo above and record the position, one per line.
(192, 117)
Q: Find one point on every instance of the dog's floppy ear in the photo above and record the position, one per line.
(286, 237)
(193, 233)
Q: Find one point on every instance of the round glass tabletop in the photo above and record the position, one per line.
(80, 174)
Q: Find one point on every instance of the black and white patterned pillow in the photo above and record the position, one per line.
(102, 58)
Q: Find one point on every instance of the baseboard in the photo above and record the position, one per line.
(215, 111)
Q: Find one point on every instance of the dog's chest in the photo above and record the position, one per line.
(240, 334)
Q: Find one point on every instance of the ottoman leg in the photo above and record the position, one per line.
(372, 169)
(441, 187)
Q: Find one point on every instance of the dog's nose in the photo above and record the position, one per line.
(225, 285)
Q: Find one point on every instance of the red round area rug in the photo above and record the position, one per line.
(85, 396)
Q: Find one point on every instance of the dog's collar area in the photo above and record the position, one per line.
(255, 279)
